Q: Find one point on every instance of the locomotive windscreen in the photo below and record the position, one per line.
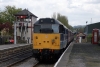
(37, 28)
(47, 21)
(46, 30)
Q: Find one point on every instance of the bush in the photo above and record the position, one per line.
(89, 37)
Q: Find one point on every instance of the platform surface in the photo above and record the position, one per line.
(81, 55)
(8, 46)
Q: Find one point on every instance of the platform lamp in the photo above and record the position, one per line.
(86, 28)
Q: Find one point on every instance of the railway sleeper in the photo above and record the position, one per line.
(16, 56)
(8, 54)
(5, 58)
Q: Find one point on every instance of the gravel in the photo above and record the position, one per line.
(27, 63)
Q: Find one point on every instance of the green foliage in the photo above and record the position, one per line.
(62, 19)
(89, 37)
(79, 29)
(54, 16)
(8, 14)
(70, 27)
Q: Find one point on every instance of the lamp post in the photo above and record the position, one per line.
(86, 27)
(91, 20)
(14, 32)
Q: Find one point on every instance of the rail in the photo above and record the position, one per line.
(13, 55)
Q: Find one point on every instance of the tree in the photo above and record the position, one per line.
(54, 16)
(62, 19)
(7, 26)
(79, 28)
(0, 26)
(8, 14)
(7, 17)
(70, 27)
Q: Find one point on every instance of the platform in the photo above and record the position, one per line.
(80, 55)
(8, 46)
(12, 52)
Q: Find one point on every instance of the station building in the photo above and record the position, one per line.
(88, 28)
(24, 22)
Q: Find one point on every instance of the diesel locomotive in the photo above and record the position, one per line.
(50, 38)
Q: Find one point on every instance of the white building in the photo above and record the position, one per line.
(25, 20)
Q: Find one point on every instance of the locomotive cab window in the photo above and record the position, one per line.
(46, 30)
(55, 28)
(37, 28)
(61, 29)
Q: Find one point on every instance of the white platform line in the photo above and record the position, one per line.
(62, 55)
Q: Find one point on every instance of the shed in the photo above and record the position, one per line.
(88, 29)
(83, 37)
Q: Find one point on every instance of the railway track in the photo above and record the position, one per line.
(30, 62)
(13, 60)
(10, 56)
(24, 60)
(17, 61)
(44, 65)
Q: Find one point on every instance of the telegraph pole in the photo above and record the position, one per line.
(86, 27)
(14, 32)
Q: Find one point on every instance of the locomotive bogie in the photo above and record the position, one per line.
(46, 54)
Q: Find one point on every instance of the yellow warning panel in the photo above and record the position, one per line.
(46, 41)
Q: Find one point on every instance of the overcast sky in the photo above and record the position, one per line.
(77, 11)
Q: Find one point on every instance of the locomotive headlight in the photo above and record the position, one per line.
(36, 37)
(56, 37)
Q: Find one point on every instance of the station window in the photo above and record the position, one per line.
(83, 37)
